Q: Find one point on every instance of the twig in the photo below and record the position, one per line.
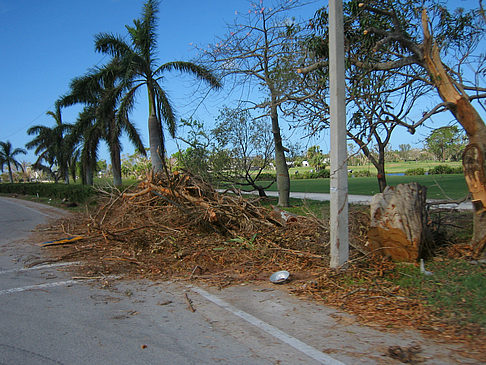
(353, 292)
(295, 252)
(189, 303)
(194, 270)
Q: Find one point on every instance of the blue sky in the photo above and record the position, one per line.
(48, 42)
(45, 43)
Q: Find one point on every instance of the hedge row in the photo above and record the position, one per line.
(436, 170)
(321, 174)
(72, 192)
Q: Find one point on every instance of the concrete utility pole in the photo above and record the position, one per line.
(339, 166)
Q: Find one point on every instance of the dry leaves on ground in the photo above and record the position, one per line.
(179, 227)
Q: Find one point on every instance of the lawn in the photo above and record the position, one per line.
(390, 167)
(439, 186)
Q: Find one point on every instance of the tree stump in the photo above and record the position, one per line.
(399, 222)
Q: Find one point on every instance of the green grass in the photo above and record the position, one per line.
(302, 207)
(390, 167)
(456, 291)
(454, 185)
(402, 166)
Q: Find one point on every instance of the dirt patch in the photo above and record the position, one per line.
(180, 228)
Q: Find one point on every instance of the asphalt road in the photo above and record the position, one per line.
(47, 317)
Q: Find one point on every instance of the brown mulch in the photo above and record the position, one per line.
(179, 227)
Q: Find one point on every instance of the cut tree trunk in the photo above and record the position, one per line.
(399, 222)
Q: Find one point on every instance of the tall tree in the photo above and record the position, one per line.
(8, 157)
(101, 90)
(255, 54)
(446, 143)
(88, 134)
(139, 58)
(432, 46)
(52, 146)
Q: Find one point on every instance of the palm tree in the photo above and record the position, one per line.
(7, 157)
(88, 134)
(101, 90)
(52, 146)
(140, 62)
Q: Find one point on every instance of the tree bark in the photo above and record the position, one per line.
(89, 175)
(66, 174)
(156, 140)
(283, 178)
(399, 222)
(381, 179)
(10, 175)
(474, 154)
(116, 164)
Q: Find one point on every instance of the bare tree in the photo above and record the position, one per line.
(254, 55)
(377, 104)
(248, 144)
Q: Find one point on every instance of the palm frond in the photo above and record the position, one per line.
(133, 133)
(165, 110)
(112, 44)
(200, 72)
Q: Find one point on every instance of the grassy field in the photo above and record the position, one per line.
(439, 186)
(390, 167)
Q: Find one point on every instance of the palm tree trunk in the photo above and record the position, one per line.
(116, 164)
(10, 172)
(157, 151)
(66, 175)
(89, 175)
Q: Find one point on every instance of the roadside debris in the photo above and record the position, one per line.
(179, 227)
(62, 241)
(279, 277)
(189, 303)
(409, 355)
(422, 269)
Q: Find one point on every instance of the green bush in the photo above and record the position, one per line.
(300, 175)
(362, 173)
(415, 172)
(266, 176)
(321, 174)
(74, 193)
(444, 169)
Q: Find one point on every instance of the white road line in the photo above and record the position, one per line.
(40, 286)
(40, 267)
(54, 284)
(271, 330)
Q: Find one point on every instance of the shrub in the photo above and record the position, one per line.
(321, 174)
(444, 169)
(74, 193)
(362, 173)
(266, 176)
(414, 172)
